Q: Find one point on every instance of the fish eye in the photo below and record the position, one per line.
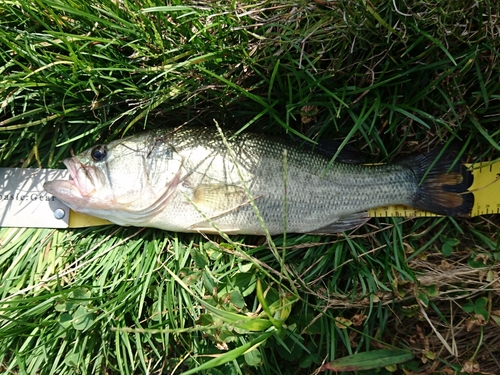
(99, 153)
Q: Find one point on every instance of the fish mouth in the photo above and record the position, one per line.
(82, 183)
(71, 167)
(82, 177)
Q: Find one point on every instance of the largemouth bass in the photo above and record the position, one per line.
(195, 180)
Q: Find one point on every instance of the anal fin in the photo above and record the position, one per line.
(349, 222)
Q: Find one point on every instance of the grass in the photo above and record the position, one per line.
(389, 78)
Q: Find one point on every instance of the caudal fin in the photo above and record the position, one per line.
(442, 188)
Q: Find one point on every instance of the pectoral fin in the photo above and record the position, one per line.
(215, 201)
(219, 197)
(346, 223)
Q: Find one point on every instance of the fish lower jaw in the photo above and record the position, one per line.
(65, 191)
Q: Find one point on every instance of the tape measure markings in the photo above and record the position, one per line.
(485, 187)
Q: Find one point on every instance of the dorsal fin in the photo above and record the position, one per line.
(348, 154)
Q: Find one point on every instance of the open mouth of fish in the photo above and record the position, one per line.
(82, 177)
(81, 182)
(72, 171)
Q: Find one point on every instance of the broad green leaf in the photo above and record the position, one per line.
(447, 249)
(64, 306)
(245, 283)
(369, 360)
(476, 263)
(481, 302)
(80, 296)
(244, 268)
(432, 290)
(199, 258)
(82, 319)
(423, 298)
(313, 358)
(253, 357)
(237, 299)
(232, 354)
(209, 282)
(65, 320)
(468, 306)
(205, 320)
(483, 312)
(72, 360)
(496, 319)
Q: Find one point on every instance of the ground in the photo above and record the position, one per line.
(390, 78)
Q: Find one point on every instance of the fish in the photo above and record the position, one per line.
(201, 180)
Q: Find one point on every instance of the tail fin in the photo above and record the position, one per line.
(444, 189)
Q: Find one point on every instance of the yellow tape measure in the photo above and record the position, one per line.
(78, 220)
(485, 187)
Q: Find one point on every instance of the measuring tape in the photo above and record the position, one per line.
(24, 203)
(484, 187)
